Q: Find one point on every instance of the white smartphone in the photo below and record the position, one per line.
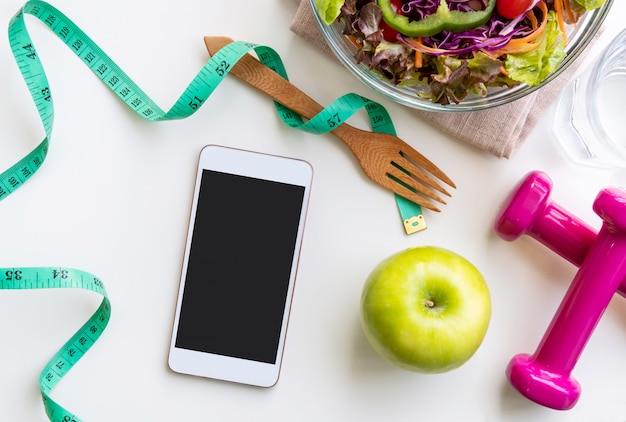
(239, 268)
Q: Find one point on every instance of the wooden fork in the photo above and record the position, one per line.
(386, 159)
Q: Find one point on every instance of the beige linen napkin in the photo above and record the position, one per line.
(500, 130)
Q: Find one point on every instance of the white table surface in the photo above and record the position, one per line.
(113, 198)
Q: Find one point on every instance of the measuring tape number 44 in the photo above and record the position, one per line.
(193, 97)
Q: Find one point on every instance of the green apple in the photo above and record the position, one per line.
(425, 309)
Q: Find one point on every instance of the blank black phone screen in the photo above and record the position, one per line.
(239, 267)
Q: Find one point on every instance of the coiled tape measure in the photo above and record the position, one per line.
(193, 97)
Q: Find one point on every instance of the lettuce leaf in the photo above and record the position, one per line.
(457, 78)
(329, 10)
(392, 60)
(590, 4)
(534, 66)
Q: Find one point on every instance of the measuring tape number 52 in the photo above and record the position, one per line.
(193, 97)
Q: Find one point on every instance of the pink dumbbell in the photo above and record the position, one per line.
(545, 377)
(529, 210)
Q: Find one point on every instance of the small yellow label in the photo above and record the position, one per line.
(414, 224)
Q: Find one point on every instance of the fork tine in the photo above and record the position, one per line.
(413, 197)
(397, 187)
(412, 169)
(412, 184)
(400, 189)
(425, 163)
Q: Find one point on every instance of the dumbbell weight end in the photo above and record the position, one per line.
(538, 383)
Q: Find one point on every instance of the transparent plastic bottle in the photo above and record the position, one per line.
(590, 117)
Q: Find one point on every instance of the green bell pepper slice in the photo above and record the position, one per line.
(443, 19)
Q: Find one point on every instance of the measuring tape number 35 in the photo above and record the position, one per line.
(81, 341)
(193, 97)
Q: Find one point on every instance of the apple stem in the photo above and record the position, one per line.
(429, 304)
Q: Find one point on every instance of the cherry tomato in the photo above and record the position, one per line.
(390, 34)
(512, 8)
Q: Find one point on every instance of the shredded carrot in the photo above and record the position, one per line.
(529, 42)
(538, 27)
(558, 8)
(532, 18)
(354, 41)
(515, 49)
(516, 45)
(419, 57)
(419, 46)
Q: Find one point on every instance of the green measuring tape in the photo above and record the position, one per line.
(81, 341)
(193, 97)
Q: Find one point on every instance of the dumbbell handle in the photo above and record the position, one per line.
(529, 210)
(563, 233)
(585, 302)
(545, 377)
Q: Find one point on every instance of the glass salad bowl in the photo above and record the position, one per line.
(578, 37)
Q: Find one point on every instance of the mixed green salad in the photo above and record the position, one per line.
(456, 48)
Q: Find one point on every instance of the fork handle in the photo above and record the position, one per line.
(251, 71)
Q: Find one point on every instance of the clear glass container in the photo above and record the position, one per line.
(578, 38)
(589, 118)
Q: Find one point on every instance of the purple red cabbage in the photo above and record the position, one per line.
(454, 64)
(491, 36)
(419, 9)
